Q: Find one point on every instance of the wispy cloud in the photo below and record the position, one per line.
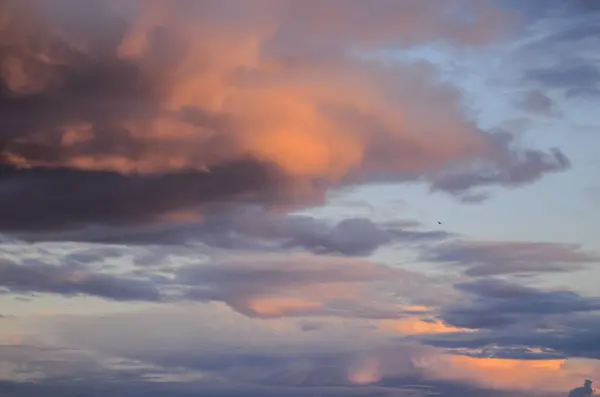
(487, 258)
(36, 277)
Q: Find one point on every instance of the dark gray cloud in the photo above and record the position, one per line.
(95, 255)
(537, 102)
(561, 55)
(252, 227)
(519, 169)
(499, 303)
(515, 321)
(565, 342)
(516, 258)
(514, 353)
(576, 79)
(77, 198)
(568, 76)
(535, 9)
(415, 387)
(36, 277)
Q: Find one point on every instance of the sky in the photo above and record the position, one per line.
(299, 198)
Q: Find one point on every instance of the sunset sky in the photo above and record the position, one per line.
(327, 198)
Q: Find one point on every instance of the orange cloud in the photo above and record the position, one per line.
(277, 102)
(281, 84)
(303, 299)
(513, 374)
(365, 371)
(277, 307)
(416, 325)
(415, 308)
(271, 285)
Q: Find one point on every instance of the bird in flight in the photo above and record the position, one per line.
(439, 223)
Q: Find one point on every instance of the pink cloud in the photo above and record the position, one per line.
(147, 87)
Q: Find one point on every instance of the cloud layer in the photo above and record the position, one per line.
(142, 109)
(166, 170)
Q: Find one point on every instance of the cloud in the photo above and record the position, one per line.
(255, 283)
(540, 375)
(536, 9)
(225, 351)
(511, 258)
(97, 388)
(499, 303)
(371, 302)
(37, 277)
(577, 80)
(28, 362)
(351, 236)
(279, 353)
(417, 325)
(555, 337)
(254, 228)
(109, 198)
(157, 152)
(144, 109)
(252, 351)
(518, 169)
(266, 285)
(537, 102)
(560, 54)
(513, 321)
